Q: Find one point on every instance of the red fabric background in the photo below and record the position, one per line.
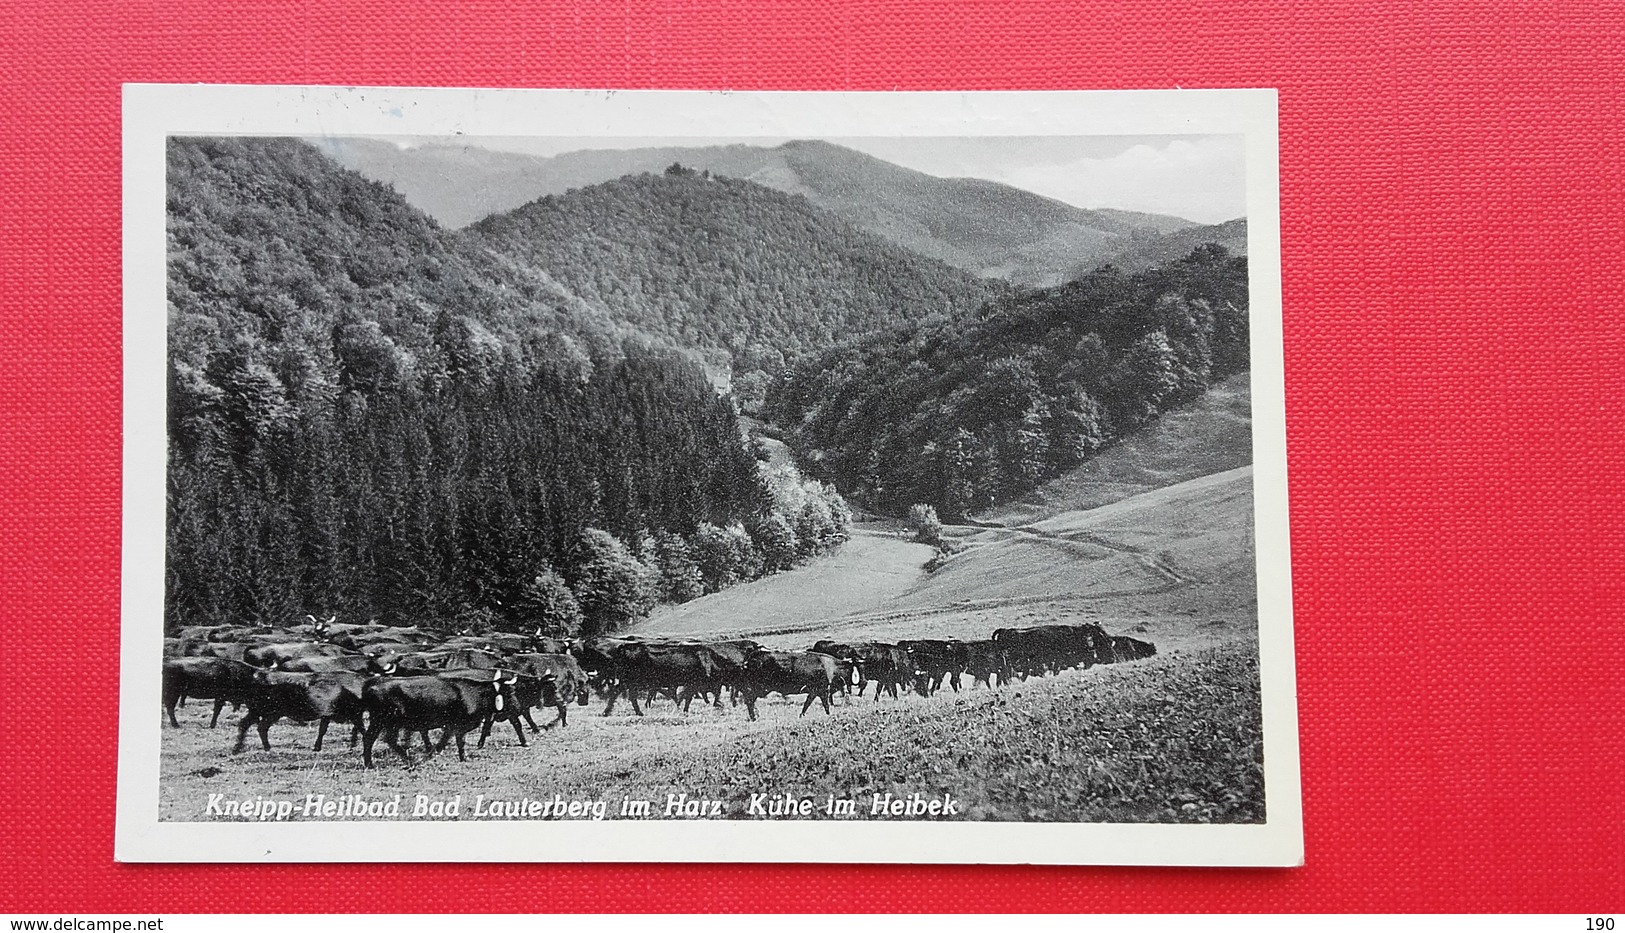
(1453, 190)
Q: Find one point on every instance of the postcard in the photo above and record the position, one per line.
(567, 475)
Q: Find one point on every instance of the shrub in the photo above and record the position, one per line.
(923, 521)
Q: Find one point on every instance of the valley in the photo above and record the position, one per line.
(689, 394)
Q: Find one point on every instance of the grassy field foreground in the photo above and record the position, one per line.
(1176, 738)
(1172, 739)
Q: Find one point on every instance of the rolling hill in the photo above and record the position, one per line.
(982, 227)
(725, 265)
(1154, 251)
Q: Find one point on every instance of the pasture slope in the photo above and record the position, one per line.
(1210, 435)
(873, 567)
(1173, 738)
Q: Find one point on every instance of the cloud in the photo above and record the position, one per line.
(1199, 179)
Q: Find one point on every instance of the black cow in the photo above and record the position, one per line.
(554, 680)
(885, 665)
(1125, 648)
(597, 657)
(454, 701)
(849, 667)
(507, 643)
(469, 642)
(230, 650)
(835, 649)
(345, 663)
(934, 661)
(1046, 649)
(1100, 643)
(428, 662)
(302, 697)
(987, 662)
(543, 644)
(219, 679)
(322, 629)
(385, 641)
(220, 632)
(341, 633)
(730, 656)
(789, 673)
(849, 676)
(353, 636)
(1027, 649)
(402, 665)
(270, 655)
(463, 657)
(635, 666)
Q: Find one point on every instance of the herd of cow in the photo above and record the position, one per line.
(384, 681)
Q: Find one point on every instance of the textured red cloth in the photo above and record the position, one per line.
(1453, 230)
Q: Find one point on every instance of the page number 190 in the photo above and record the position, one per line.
(1599, 923)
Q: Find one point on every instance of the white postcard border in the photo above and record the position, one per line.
(154, 112)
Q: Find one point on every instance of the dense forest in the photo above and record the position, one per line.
(716, 263)
(368, 418)
(959, 412)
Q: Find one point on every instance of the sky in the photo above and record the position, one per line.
(1200, 178)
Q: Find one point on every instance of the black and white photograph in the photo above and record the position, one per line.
(525, 475)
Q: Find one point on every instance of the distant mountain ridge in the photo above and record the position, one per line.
(980, 226)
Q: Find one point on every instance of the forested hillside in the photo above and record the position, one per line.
(963, 413)
(722, 264)
(366, 419)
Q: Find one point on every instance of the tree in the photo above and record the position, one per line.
(546, 603)
(194, 410)
(1153, 375)
(612, 587)
(750, 389)
(252, 401)
(840, 515)
(1079, 426)
(680, 574)
(1026, 450)
(965, 473)
(369, 361)
(713, 554)
(775, 539)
